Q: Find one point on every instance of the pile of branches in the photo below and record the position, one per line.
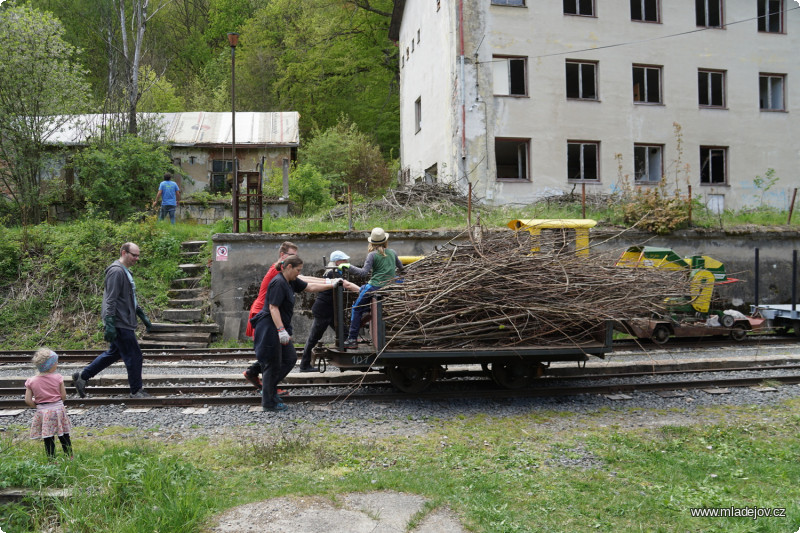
(422, 197)
(495, 292)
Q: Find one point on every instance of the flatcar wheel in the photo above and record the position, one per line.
(486, 370)
(727, 321)
(513, 374)
(660, 334)
(739, 333)
(412, 379)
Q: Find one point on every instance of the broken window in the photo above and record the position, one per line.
(431, 173)
(711, 88)
(770, 16)
(509, 2)
(647, 84)
(510, 76)
(645, 10)
(579, 7)
(511, 158)
(770, 92)
(221, 171)
(418, 114)
(582, 80)
(647, 163)
(708, 13)
(713, 165)
(582, 160)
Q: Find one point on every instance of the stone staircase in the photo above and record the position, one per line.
(185, 324)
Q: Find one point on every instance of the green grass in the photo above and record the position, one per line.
(499, 475)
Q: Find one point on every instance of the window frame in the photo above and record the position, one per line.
(418, 115)
(724, 88)
(583, 144)
(647, 147)
(770, 76)
(520, 142)
(720, 4)
(510, 3)
(762, 6)
(577, 4)
(216, 174)
(507, 60)
(581, 63)
(660, 72)
(708, 182)
(643, 6)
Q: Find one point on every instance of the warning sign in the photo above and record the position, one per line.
(222, 253)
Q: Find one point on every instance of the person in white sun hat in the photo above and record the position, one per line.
(323, 308)
(384, 264)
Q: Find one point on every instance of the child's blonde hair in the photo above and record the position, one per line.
(41, 356)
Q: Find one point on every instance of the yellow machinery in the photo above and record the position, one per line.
(534, 226)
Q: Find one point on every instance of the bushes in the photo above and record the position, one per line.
(308, 189)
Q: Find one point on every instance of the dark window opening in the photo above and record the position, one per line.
(770, 16)
(511, 158)
(647, 85)
(644, 10)
(579, 7)
(221, 175)
(711, 88)
(770, 92)
(712, 165)
(581, 80)
(647, 163)
(708, 13)
(582, 162)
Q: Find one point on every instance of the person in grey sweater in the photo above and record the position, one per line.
(119, 313)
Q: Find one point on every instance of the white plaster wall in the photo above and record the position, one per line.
(756, 140)
(428, 72)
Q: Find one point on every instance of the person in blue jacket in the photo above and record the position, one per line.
(170, 195)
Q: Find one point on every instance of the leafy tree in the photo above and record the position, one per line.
(122, 177)
(308, 188)
(346, 157)
(40, 85)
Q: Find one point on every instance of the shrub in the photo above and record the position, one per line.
(308, 189)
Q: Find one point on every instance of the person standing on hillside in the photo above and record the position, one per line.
(119, 312)
(170, 195)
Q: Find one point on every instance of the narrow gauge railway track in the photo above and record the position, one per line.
(205, 395)
(229, 354)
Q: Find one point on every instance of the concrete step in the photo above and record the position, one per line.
(183, 315)
(186, 302)
(185, 283)
(209, 327)
(190, 254)
(193, 269)
(185, 294)
(179, 336)
(192, 246)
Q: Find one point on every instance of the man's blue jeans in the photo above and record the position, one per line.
(124, 347)
(167, 210)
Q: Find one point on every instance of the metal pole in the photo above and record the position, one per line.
(791, 207)
(583, 200)
(690, 205)
(233, 39)
(794, 282)
(756, 279)
(469, 205)
(285, 178)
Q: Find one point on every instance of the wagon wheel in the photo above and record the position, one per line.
(727, 321)
(660, 334)
(514, 374)
(739, 332)
(412, 379)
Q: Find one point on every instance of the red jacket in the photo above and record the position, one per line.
(258, 304)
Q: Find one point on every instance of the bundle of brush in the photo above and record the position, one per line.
(495, 292)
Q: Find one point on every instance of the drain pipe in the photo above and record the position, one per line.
(794, 282)
(462, 90)
(755, 289)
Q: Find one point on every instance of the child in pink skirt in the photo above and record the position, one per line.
(46, 392)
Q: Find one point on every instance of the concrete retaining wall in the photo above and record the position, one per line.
(235, 281)
(210, 212)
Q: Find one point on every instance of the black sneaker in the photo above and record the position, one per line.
(140, 394)
(79, 384)
(277, 407)
(351, 344)
(309, 369)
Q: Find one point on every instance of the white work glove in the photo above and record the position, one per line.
(284, 336)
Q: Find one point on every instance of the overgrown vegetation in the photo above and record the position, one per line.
(51, 288)
(544, 471)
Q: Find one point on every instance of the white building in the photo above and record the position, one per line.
(530, 98)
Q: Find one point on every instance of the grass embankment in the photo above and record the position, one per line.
(51, 277)
(499, 475)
